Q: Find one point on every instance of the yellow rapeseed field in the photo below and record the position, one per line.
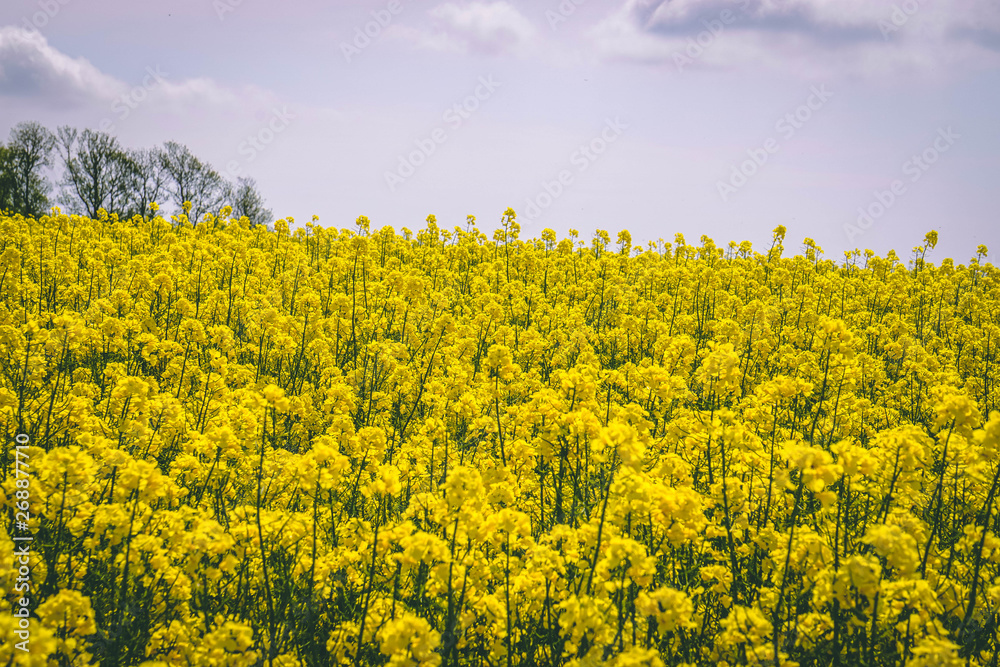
(236, 446)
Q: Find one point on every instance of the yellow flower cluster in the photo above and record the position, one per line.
(322, 446)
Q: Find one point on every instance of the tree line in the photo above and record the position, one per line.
(97, 172)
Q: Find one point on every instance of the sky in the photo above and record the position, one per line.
(857, 123)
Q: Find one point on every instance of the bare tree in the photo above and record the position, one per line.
(150, 184)
(98, 172)
(191, 180)
(212, 194)
(247, 201)
(181, 167)
(29, 150)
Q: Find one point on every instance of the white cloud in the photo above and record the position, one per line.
(32, 69)
(807, 36)
(29, 67)
(424, 39)
(478, 27)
